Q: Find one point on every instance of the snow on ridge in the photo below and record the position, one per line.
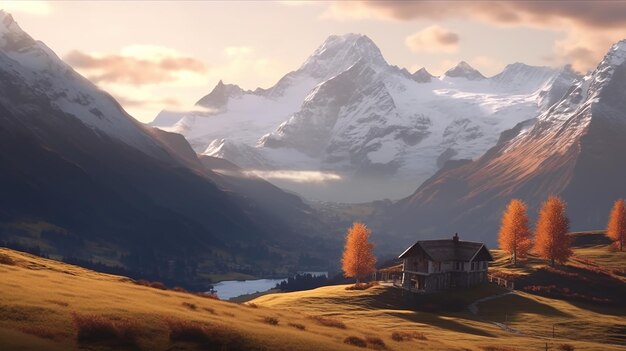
(33, 63)
(387, 121)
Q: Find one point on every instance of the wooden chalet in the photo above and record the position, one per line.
(433, 265)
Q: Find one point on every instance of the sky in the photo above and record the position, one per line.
(154, 55)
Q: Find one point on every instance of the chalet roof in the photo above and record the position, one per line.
(448, 250)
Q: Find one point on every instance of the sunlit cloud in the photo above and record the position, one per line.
(433, 39)
(28, 7)
(135, 66)
(295, 176)
(170, 103)
(590, 27)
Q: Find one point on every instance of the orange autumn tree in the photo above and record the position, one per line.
(515, 236)
(358, 260)
(616, 229)
(551, 240)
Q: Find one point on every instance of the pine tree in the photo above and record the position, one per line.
(358, 260)
(616, 229)
(515, 236)
(551, 241)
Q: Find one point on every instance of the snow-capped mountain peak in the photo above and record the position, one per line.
(464, 70)
(339, 52)
(27, 62)
(422, 76)
(219, 96)
(346, 110)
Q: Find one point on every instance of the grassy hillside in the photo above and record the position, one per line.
(47, 305)
(43, 301)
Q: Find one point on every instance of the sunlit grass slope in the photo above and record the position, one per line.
(39, 296)
(43, 302)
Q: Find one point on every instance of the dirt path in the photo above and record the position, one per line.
(473, 308)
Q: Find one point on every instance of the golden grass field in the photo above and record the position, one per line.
(38, 298)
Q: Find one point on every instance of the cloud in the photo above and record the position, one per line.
(295, 176)
(590, 27)
(607, 14)
(139, 65)
(147, 102)
(433, 39)
(29, 7)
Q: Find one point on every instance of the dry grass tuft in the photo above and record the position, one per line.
(407, 336)
(329, 322)
(229, 314)
(497, 348)
(208, 296)
(97, 329)
(362, 286)
(155, 285)
(251, 305)
(179, 289)
(211, 310)
(376, 343)
(566, 347)
(191, 306)
(271, 320)
(355, 341)
(43, 332)
(209, 337)
(5, 259)
(297, 326)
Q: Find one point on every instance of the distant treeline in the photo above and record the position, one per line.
(159, 269)
(301, 282)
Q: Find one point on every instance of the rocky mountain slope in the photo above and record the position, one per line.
(75, 164)
(378, 129)
(574, 149)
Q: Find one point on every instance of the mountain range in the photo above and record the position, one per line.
(184, 196)
(575, 149)
(81, 178)
(379, 129)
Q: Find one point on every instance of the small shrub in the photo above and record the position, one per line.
(210, 337)
(209, 309)
(497, 348)
(179, 289)
(362, 286)
(186, 331)
(229, 314)
(297, 326)
(566, 347)
(6, 259)
(376, 343)
(271, 320)
(329, 322)
(155, 285)
(208, 296)
(93, 328)
(251, 305)
(158, 285)
(407, 336)
(42, 332)
(355, 341)
(191, 306)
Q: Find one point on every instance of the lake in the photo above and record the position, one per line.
(233, 288)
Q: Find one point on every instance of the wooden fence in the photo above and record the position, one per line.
(501, 281)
